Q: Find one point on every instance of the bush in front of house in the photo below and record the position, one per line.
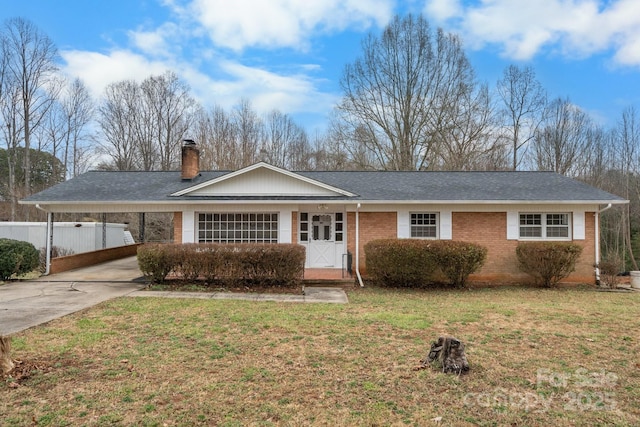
(458, 260)
(548, 262)
(417, 263)
(258, 264)
(409, 263)
(156, 261)
(17, 257)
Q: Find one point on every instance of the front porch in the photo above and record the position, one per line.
(327, 277)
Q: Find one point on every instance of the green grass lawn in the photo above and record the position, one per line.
(538, 357)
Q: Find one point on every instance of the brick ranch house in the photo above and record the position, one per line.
(333, 213)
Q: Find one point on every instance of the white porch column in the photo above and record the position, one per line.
(48, 243)
(189, 226)
(284, 225)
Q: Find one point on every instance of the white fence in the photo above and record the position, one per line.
(78, 237)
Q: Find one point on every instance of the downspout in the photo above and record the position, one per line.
(358, 206)
(48, 241)
(597, 263)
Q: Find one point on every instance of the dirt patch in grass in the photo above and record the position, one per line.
(538, 357)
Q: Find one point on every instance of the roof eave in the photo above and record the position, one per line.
(205, 200)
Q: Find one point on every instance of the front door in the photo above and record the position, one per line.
(322, 248)
(322, 233)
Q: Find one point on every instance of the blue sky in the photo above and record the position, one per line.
(289, 54)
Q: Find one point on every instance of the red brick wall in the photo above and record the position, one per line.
(485, 228)
(584, 268)
(351, 235)
(294, 227)
(177, 227)
(490, 230)
(71, 262)
(373, 225)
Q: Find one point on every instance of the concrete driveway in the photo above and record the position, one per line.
(27, 304)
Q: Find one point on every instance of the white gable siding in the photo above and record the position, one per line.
(263, 182)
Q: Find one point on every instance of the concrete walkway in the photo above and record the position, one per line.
(34, 302)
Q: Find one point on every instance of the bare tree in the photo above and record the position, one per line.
(396, 93)
(523, 100)
(51, 135)
(215, 132)
(30, 63)
(142, 125)
(284, 144)
(329, 152)
(468, 141)
(248, 133)
(12, 130)
(563, 137)
(628, 138)
(78, 108)
(116, 114)
(598, 160)
(170, 109)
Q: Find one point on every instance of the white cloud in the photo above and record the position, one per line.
(524, 28)
(193, 43)
(267, 90)
(442, 10)
(159, 42)
(233, 81)
(284, 23)
(98, 70)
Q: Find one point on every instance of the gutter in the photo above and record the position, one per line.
(597, 239)
(358, 206)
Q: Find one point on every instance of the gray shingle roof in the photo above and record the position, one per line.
(101, 186)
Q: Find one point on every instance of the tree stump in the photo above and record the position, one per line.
(449, 352)
(6, 365)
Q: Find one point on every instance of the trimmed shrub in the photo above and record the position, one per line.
(419, 263)
(279, 264)
(548, 262)
(458, 260)
(156, 261)
(17, 257)
(401, 262)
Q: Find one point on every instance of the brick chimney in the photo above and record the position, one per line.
(190, 160)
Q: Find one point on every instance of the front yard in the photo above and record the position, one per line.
(538, 357)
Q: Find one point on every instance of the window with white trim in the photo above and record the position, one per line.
(424, 225)
(238, 228)
(551, 226)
